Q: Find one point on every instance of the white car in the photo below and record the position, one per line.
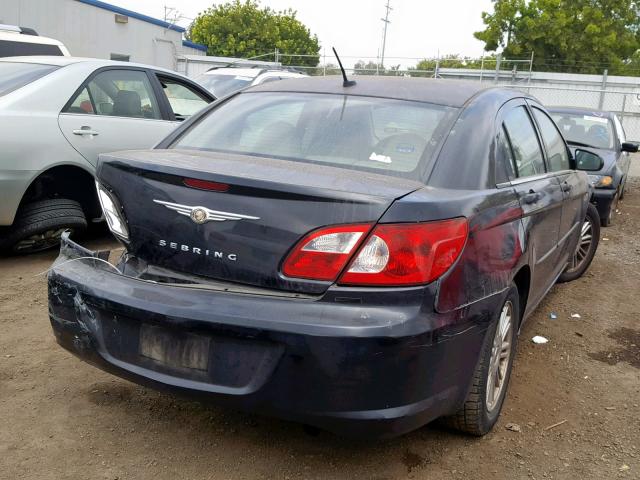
(226, 80)
(20, 41)
(56, 115)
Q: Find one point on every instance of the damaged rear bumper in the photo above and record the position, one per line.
(361, 369)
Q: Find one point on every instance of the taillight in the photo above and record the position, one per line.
(391, 255)
(407, 253)
(323, 254)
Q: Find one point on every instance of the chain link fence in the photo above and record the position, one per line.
(597, 92)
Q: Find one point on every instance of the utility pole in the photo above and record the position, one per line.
(386, 24)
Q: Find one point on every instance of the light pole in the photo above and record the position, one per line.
(386, 24)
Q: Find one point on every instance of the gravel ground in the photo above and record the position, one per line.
(61, 418)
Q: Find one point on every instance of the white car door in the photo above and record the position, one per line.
(116, 109)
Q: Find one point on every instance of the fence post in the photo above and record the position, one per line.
(624, 107)
(481, 67)
(324, 62)
(498, 60)
(605, 74)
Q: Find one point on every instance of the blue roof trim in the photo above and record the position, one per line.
(197, 46)
(132, 14)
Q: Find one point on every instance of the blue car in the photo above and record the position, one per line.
(357, 257)
(602, 133)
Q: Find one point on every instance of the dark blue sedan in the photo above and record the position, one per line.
(358, 257)
(602, 133)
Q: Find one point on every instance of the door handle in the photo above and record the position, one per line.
(85, 131)
(566, 187)
(531, 197)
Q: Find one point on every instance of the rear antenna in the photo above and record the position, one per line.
(346, 82)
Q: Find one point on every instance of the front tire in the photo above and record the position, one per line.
(586, 248)
(39, 225)
(483, 403)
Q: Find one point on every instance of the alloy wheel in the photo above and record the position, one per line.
(39, 241)
(584, 244)
(500, 357)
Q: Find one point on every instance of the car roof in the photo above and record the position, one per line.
(12, 36)
(239, 72)
(581, 111)
(60, 61)
(441, 92)
(249, 72)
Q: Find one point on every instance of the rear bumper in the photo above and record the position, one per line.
(366, 371)
(602, 199)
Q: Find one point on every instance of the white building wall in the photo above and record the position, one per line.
(90, 31)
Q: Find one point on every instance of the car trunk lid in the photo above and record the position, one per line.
(239, 224)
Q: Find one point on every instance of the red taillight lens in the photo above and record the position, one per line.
(392, 255)
(323, 254)
(407, 254)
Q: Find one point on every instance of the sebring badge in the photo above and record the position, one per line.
(202, 215)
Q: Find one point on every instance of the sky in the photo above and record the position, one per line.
(418, 28)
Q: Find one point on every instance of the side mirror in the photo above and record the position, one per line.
(588, 161)
(631, 147)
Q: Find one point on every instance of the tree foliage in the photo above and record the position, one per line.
(454, 61)
(246, 29)
(578, 35)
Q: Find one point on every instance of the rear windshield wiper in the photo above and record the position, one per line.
(580, 144)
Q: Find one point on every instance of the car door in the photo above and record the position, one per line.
(572, 183)
(183, 98)
(114, 109)
(539, 194)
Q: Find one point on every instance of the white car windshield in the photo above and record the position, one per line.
(222, 85)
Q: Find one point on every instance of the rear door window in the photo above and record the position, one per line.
(17, 75)
(118, 93)
(505, 165)
(557, 154)
(524, 143)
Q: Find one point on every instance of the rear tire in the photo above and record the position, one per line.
(483, 403)
(39, 225)
(586, 248)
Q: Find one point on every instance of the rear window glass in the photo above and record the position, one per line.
(17, 75)
(20, 49)
(591, 129)
(361, 133)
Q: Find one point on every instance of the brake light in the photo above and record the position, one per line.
(205, 185)
(391, 255)
(323, 254)
(407, 254)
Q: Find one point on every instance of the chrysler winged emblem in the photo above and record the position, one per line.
(202, 215)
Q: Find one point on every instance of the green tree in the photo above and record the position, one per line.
(368, 68)
(451, 61)
(246, 29)
(578, 35)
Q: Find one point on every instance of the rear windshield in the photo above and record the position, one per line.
(360, 133)
(17, 75)
(222, 85)
(20, 49)
(592, 129)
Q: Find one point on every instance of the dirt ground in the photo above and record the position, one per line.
(63, 419)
